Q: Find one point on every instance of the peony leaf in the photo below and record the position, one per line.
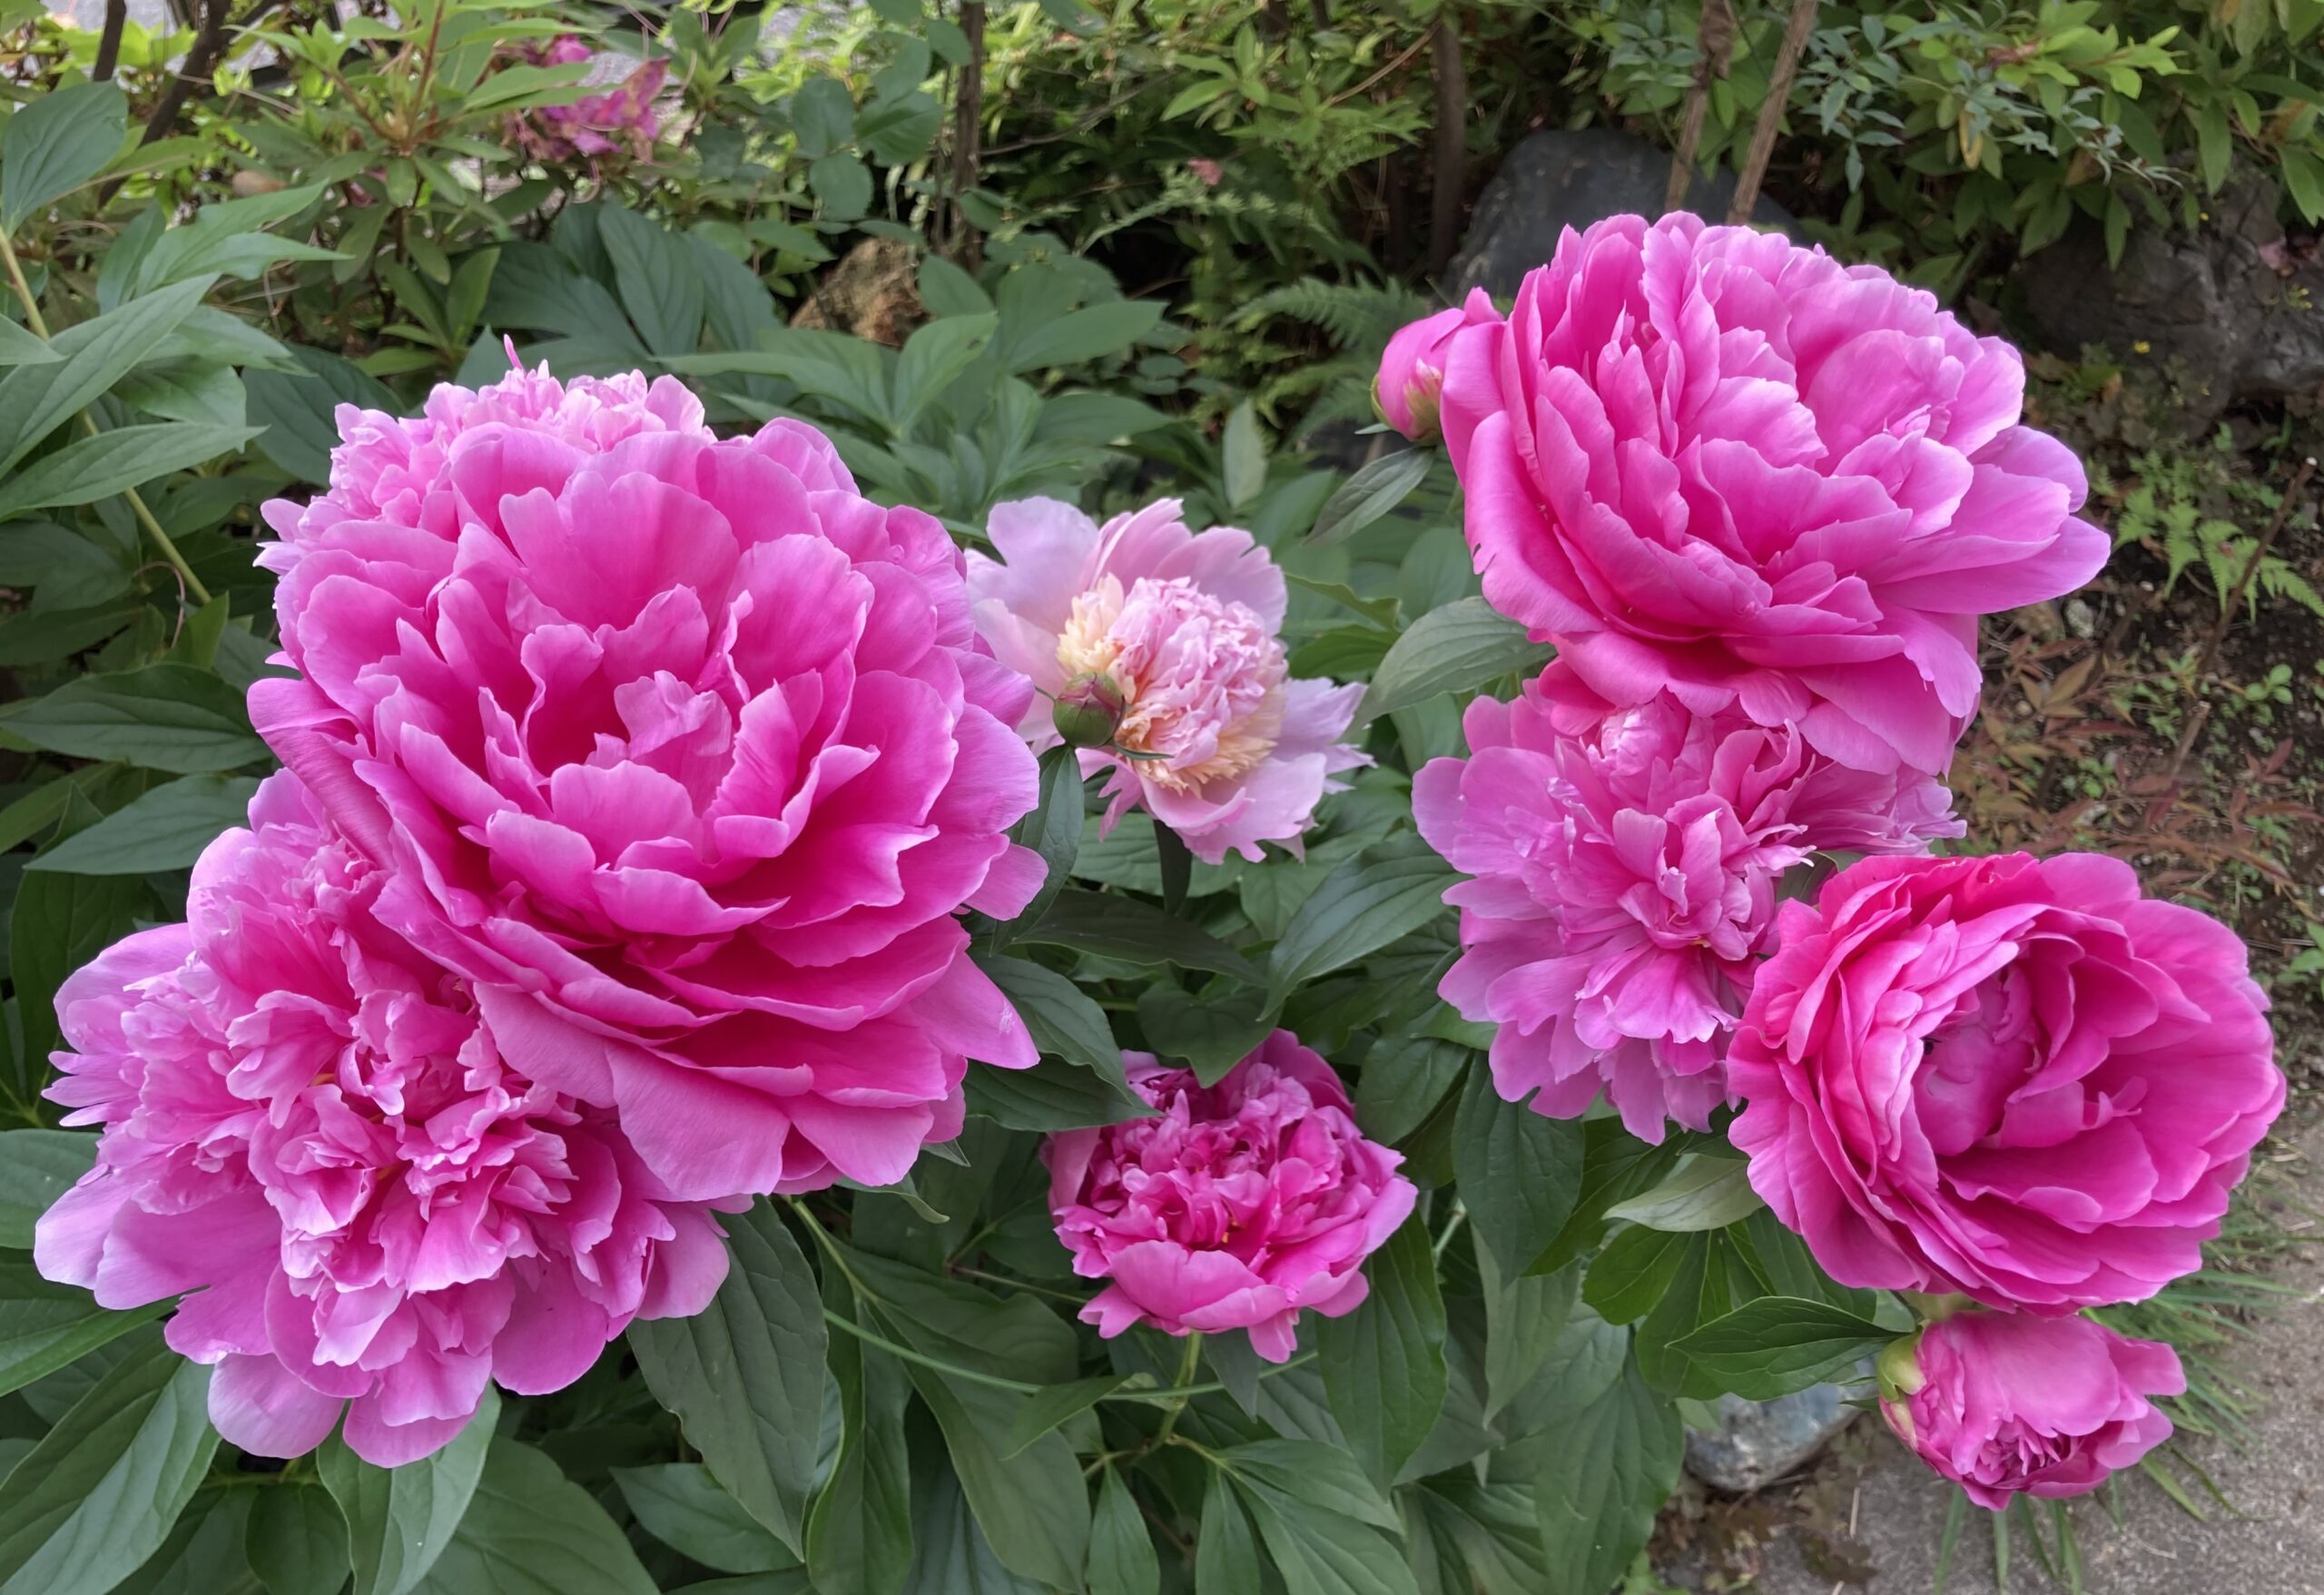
(44, 1326)
(1634, 1272)
(682, 1505)
(859, 1532)
(165, 830)
(1520, 1174)
(1384, 893)
(297, 1541)
(530, 1530)
(1052, 1404)
(1371, 492)
(1705, 1192)
(1457, 648)
(1122, 1561)
(1052, 829)
(166, 717)
(56, 143)
(1773, 1345)
(1135, 932)
(36, 1166)
(1613, 1464)
(1384, 1363)
(400, 1519)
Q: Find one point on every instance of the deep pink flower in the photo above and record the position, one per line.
(681, 749)
(310, 1131)
(2011, 1077)
(1231, 750)
(1705, 459)
(2008, 1403)
(1625, 865)
(1241, 1205)
(618, 119)
(1411, 378)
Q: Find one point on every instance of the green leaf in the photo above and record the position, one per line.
(20, 348)
(1053, 829)
(1612, 1465)
(34, 400)
(1385, 892)
(932, 359)
(822, 116)
(1384, 1363)
(1704, 1193)
(843, 184)
(1773, 1345)
(297, 1541)
(655, 272)
(206, 1553)
(1371, 492)
(1321, 1519)
(530, 1530)
(682, 1505)
(400, 1521)
(1092, 333)
(859, 1532)
(1524, 1316)
(1212, 1031)
(1033, 1507)
(1615, 1167)
(296, 409)
(1634, 1272)
(1052, 1404)
(36, 1166)
(1227, 1557)
(90, 469)
(59, 923)
(951, 1555)
(948, 291)
(48, 637)
(1243, 454)
(166, 829)
(1405, 1077)
(1519, 1172)
(1122, 1561)
(99, 1495)
(170, 717)
(55, 143)
(44, 1326)
(745, 1375)
(1135, 932)
(1063, 1020)
(1456, 647)
(1494, 1533)
(1051, 1096)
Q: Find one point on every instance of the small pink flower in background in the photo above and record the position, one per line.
(619, 120)
(1626, 863)
(1211, 172)
(2008, 1404)
(1706, 461)
(310, 1131)
(1241, 1205)
(2011, 1077)
(1410, 380)
(681, 749)
(1218, 741)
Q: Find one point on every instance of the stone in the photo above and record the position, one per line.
(873, 292)
(1757, 1442)
(1570, 177)
(2227, 311)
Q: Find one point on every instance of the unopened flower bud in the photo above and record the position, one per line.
(1088, 710)
(1898, 1368)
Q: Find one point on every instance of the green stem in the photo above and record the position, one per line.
(1188, 1364)
(39, 325)
(1452, 1227)
(896, 1349)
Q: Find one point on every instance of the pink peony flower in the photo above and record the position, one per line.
(310, 1131)
(1411, 378)
(2004, 1404)
(1244, 1203)
(620, 120)
(1706, 460)
(1626, 863)
(2011, 1077)
(1221, 744)
(682, 750)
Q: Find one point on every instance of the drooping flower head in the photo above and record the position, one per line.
(1706, 460)
(1410, 380)
(681, 749)
(1626, 863)
(2010, 1078)
(619, 119)
(2006, 1404)
(1215, 738)
(1236, 1208)
(309, 1132)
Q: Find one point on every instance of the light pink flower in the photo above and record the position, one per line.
(620, 119)
(1411, 378)
(1242, 1203)
(2009, 1404)
(681, 749)
(1706, 460)
(2010, 1078)
(311, 1133)
(1230, 750)
(1211, 172)
(1626, 863)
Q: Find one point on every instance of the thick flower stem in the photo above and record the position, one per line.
(1186, 1365)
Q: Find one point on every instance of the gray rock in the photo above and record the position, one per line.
(1560, 178)
(2240, 316)
(1758, 1441)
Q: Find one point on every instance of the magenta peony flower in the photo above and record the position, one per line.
(1221, 745)
(1625, 865)
(621, 119)
(1706, 460)
(2004, 1404)
(1244, 1203)
(1411, 378)
(2011, 1077)
(683, 751)
(310, 1131)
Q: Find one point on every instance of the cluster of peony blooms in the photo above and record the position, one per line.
(1758, 500)
(617, 120)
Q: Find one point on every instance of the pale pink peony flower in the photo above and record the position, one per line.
(1706, 460)
(311, 1133)
(619, 120)
(1626, 863)
(1410, 380)
(1242, 1205)
(681, 749)
(2004, 1403)
(2011, 1077)
(1224, 745)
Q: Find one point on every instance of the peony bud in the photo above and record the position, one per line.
(1087, 710)
(1409, 390)
(1898, 1368)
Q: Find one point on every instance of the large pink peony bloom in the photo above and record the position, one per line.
(2009, 1404)
(681, 749)
(2011, 1077)
(1704, 459)
(1231, 750)
(1242, 1203)
(1410, 380)
(1625, 864)
(310, 1130)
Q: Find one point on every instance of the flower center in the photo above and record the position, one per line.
(1201, 677)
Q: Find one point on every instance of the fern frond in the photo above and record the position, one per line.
(1356, 316)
